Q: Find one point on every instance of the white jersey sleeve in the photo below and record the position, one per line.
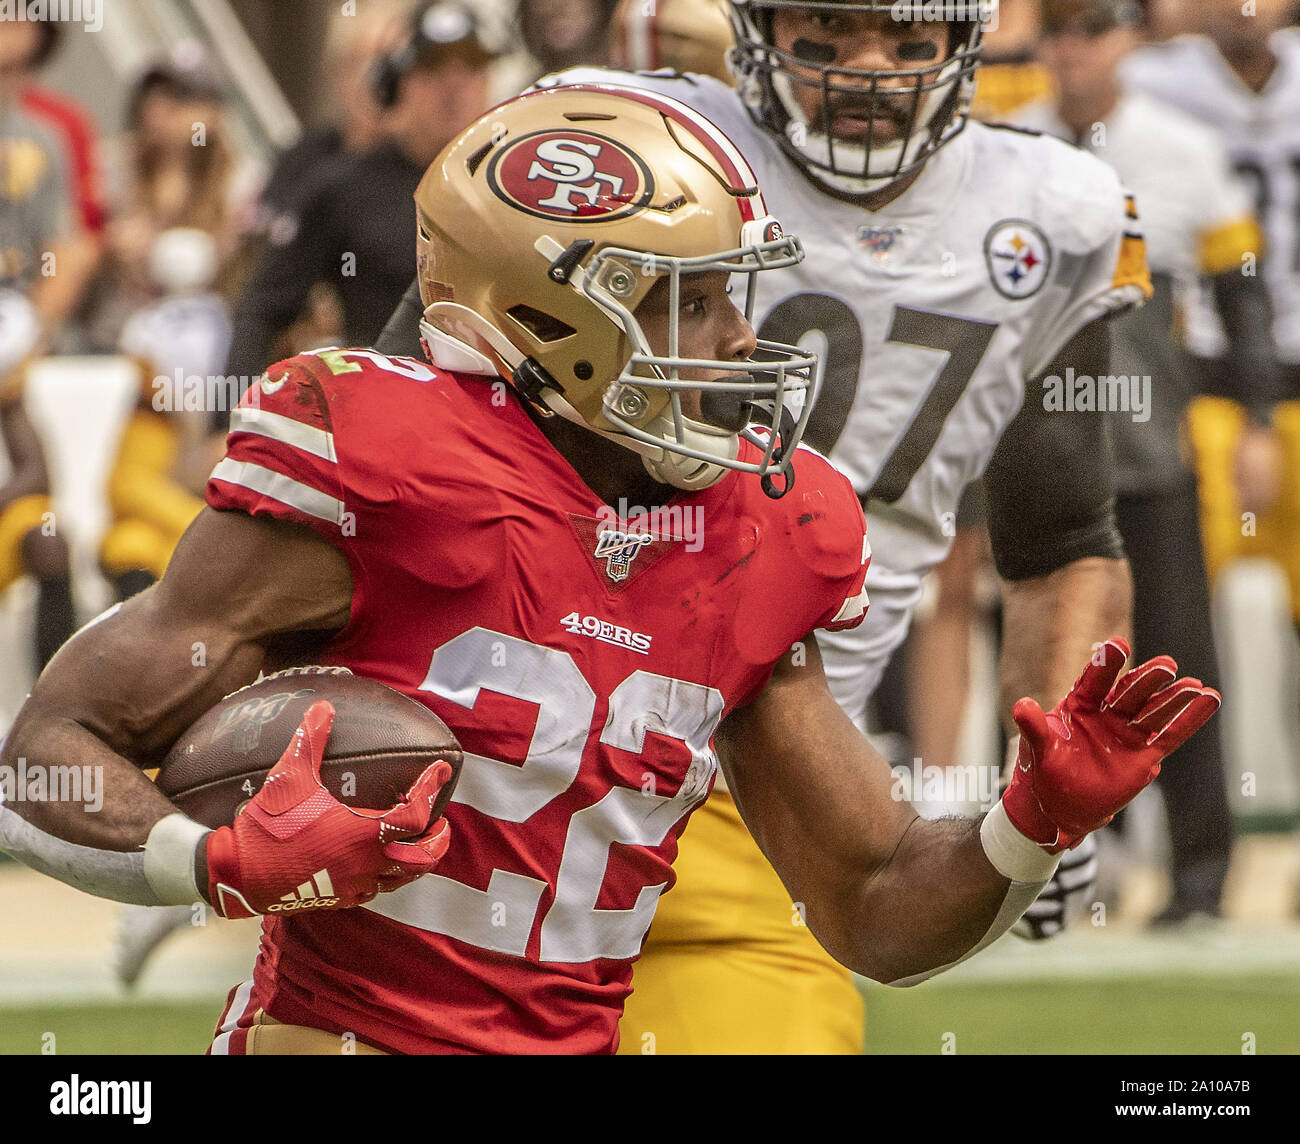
(1102, 248)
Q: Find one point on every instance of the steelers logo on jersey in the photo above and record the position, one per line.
(1019, 258)
(576, 176)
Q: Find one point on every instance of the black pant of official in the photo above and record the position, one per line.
(1171, 616)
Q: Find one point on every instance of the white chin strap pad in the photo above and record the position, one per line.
(665, 466)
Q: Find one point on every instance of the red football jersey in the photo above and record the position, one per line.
(583, 663)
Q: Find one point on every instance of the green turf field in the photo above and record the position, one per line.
(1178, 1016)
(110, 1028)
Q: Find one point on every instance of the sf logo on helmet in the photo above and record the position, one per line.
(577, 176)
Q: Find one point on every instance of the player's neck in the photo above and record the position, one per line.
(611, 472)
(883, 198)
(878, 200)
(1082, 113)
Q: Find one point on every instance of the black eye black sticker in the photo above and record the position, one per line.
(917, 50)
(813, 52)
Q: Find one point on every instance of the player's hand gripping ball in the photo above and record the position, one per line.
(296, 847)
(1088, 757)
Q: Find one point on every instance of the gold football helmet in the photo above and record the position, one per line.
(684, 35)
(544, 226)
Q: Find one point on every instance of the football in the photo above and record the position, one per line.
(380, 742)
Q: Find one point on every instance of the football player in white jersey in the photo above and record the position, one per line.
(1242, 78)
(1198, 223)
(949, 268)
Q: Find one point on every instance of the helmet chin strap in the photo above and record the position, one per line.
(665, 466)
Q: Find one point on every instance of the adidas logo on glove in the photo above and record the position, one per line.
(316, 892)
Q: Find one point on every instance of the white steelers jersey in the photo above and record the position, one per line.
(1177, 168)
(930, 314)
(1262, 134)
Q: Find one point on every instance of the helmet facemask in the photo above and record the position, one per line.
(766, 399)
(930, 103)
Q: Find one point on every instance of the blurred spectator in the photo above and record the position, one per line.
(45, 262)
(74, 126)
(1242, 80)
(685, 35)
(1009, 75)
(44, 251)
(356, 228)
(180, 342)
(561, 34)
(557, 34)
(175, 168)
(29, 540)
(1166, 19)
(1197, 221)
(352, 124)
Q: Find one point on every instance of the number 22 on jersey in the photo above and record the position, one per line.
(503, 916)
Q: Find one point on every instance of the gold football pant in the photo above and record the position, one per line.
(16, 521)
(266, 1036)
(150, 510)
(1215, 425)
(728, 966)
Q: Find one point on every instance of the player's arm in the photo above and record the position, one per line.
(898, 898)
(123, 689)
(820, 802)
(1253, 378)
(26, 457)
(1051, 511)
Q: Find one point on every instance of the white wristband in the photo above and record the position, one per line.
(169, 859)
(1012, 854)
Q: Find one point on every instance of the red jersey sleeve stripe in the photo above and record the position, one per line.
(854, 607)
(277, 486)
(264, 423)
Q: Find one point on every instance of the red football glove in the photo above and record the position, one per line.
(1089, 756)
(296, 847)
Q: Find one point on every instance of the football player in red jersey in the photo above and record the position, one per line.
(446, 529)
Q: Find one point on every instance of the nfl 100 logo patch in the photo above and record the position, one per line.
(879, 241)
(624, 547)
(618, 550)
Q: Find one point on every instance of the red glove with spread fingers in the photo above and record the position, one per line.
(1088, 757)
(296, 847)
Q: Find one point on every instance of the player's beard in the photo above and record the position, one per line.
(850, 118)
